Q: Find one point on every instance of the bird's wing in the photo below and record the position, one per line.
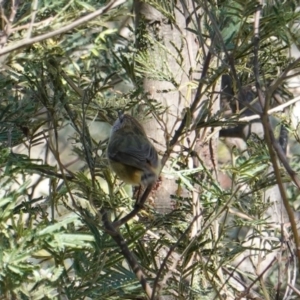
(138, 157)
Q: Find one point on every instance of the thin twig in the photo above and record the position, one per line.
(283, 76)
(33, 15)
(192, 109)
(171, 249)
(246, 292)
(45, 22)
(231, 275)
(69, 177)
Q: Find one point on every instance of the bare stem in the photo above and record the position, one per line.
(270, 139)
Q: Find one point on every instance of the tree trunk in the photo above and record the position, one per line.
(173, 94)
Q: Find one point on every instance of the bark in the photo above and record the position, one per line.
(174, 97)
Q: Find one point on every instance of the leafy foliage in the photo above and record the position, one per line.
(53, 241)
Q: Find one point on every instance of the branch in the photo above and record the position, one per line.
(131, 260)
(29, 41)
(7, 29)
(294, 289)
(138, 206)
(272, 110)
(51, 173)
(270, 139)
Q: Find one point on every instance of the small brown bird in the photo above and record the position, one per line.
(130, 153)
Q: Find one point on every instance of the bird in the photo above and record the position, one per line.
(130, 153)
